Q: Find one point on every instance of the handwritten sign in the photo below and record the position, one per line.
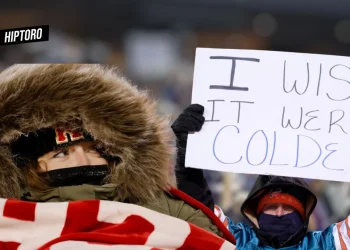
(272, 113)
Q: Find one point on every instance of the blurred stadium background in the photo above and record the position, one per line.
(153, 42)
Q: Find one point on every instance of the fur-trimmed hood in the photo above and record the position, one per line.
(121, 118)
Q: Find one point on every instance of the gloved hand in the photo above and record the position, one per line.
(190, 180)
(190, 120)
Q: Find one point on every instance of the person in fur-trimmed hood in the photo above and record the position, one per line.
(83, 132)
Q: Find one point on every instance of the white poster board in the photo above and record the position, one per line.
(272, 113)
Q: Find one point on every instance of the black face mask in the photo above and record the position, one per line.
(91, 174)
(282, 227)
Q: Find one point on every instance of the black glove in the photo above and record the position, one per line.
(190, 180)
(190, 120)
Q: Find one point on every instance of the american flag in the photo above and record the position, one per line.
(96, 224)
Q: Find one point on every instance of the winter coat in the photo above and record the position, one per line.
(330, 238)
(121, 119)
(166, 203)
(249, 237)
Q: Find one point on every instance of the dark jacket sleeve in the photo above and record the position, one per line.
(190, 180)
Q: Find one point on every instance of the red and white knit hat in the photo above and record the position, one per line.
(283, 198)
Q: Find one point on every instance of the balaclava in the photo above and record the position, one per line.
(285, 226)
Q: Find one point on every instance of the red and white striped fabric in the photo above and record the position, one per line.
(220, 214)
(341, 234)
(97, 224)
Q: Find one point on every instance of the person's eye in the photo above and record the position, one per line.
(288, 208)
(93, 150)
(274, 207)
(60, 154)
(270, 207)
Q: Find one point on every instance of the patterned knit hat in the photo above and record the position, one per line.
(34, 145)
(277, 196)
